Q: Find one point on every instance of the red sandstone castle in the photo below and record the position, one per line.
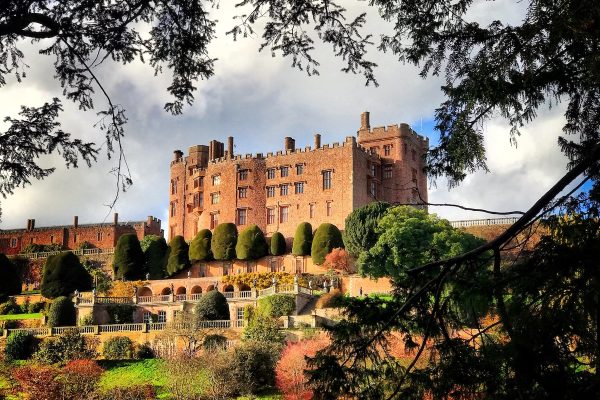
(278, 191)
(99, 235)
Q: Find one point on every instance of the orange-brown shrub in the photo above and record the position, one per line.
(289, 371)
(38, 382)
(339, 260)
(331, 299)
(79, 378)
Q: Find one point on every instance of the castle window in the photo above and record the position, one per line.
(374, 150)
(201, 199)
(241, 216)
(242, 193)
(414, 175)
(240, 313)
(311, 210)
(387, 149)
(327, 179)
(372, 169)
(299, 169)
(31, 240)
(271, 173)
(373, 189)
(329, 208)
(147, 317)
(299, 187)
(214, 220)
(173, 209)
(198, 182)
(214, 198)
(387, 172)
(284, 171)
(283, 190)
(274, 264)
(216, 180)
(196, 199)
(162, 316)
(243, 174)
(270, 216)
(100, 236)
(270, 191)
(283, 214)
(413, 154)
(173, 186)
(13, 242)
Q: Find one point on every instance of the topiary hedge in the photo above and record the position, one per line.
(277, 305)
(327, 237)
(10, 280)
(302, 240)
(61, 312)
(212, 307)
(278, 245)
(129, 261)
(155, 257)
(251, 244)
(200, 246)
(223, 241)
(63, 274)
(178, 255)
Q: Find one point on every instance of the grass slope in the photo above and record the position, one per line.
(12, 317)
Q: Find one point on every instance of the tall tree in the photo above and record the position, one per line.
(155, 256)
(178, 255)
(63, 274)
(360, 224)
(128, 262)
(10, 281)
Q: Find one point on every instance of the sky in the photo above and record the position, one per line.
(260, 99)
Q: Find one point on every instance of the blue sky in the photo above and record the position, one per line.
(259, 100)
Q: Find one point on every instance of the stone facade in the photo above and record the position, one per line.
(278, 191)
(101, 235)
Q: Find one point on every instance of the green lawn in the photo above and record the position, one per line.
(132, 372)
(12, 317)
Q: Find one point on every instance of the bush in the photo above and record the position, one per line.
(120, 313)
(334, 298)
(128, 262)
(338, 260)
(118, 348)
(223, 241)
(263, 279)
(38, 382)
(61, 312)
(200, 246)
(214, 341)
(69, 346)
(262, 328)
(178, 255)
(144, 351)
(79, 379)
(277, 305)
(253, 366)
(63, 274)
(10, 280)
(36, 307)
(278, 246)
(302, 240)
(289, 371)
(10, 307)
(327, 237)
(20, 345)
(155, 256)
(251, 244)
(135, 392)
(359, 230)
(219, 382)
(211, 307)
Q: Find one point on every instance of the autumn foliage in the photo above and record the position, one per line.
(339, 260)
(289, 372)
(38, 382)
(79, 379)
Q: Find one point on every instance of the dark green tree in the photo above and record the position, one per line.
(327, 237)
(278, 246)
(359, 230)
(200, 246)
(178, 255)
(251, 244)
(63, 274)
(155, 256)
(10, 281)
(223, 242)
(302, 240)
(128, 262)
(61, 312)
(212, 306)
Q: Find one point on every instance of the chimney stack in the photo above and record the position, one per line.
(290, 144)
(28, 224)
(230, 146)
(116, 219)
(317, 140)
(150, 219)
(32, 224)
(75, 221)
(364, 121)
(177, 154)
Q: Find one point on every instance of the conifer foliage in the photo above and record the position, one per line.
(10, 282)
(251, 244)
(129, 259)
(278, 245)
(155, 257)
(302, 240)
(63, 274)
(178, 255)
(223, 241)
(327, 237)
(200, 246)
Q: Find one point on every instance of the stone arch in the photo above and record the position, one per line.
(243, 287)
(228, 288)
(166, 291)
(196, 289)
(180, 290)
(210, 287)
(145, 291)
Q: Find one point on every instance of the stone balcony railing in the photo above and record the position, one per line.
(78, 252)
(483, 222)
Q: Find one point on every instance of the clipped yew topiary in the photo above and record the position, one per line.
(278, 246)
(61, 312)
(302, 240)
(327, 237)
(251, 244)
(10, 281)
(359, 231)
(200, 246)
(63, 274)
(129, 260)
(223, 241)
(178, 255)
(155, 257)
(212, 307)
